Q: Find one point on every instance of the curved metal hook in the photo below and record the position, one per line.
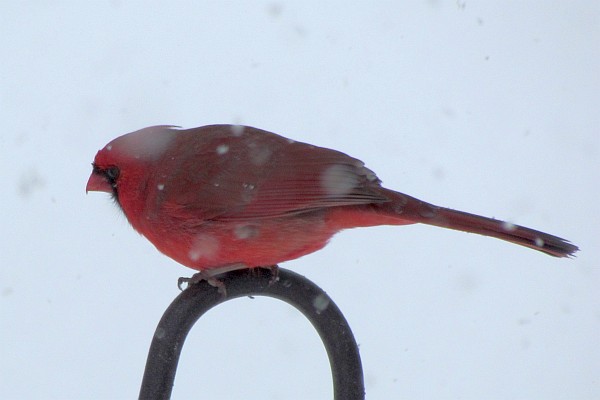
(282, 284)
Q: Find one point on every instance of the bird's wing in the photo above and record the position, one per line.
(255, 174)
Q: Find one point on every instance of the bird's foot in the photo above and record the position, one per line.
(211, 277)
(202, 276)
(274, 269)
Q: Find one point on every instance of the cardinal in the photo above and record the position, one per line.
(223, 197)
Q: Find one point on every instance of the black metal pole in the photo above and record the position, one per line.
(294, 289)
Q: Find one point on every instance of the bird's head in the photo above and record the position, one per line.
(121, 163)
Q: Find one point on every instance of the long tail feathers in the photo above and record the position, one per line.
(411, 209)
(521, 235)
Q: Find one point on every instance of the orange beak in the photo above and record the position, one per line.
(98, 183)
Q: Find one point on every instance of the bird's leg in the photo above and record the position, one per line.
(210, 276)
(202, 276)
(274, 269)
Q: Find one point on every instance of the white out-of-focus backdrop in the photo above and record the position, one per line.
(488, 107)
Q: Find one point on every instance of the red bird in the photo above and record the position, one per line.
(225, 197)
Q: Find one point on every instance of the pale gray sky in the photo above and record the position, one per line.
(488, 107)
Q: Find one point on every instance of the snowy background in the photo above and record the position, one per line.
(488, 107)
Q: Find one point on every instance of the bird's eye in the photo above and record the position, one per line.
(112, 173)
